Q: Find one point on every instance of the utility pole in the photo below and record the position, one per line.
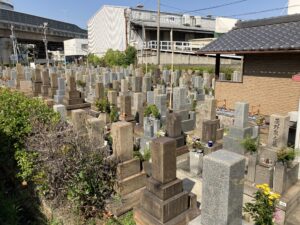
(14, 40)
(158, 32)
(45, 29)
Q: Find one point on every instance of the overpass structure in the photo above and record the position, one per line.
(28, 30)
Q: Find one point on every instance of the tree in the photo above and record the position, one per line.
(130, 55)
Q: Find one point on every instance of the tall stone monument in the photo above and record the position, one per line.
(222, 190)
(164, 201)
(130, 179)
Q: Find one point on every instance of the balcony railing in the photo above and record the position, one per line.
(176, 46)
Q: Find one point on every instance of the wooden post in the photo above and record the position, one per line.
(217, 66)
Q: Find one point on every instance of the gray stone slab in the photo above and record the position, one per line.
(223, 186)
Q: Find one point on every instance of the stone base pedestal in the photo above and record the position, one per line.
(252, 160)
(233, 144)
(142, 217)
(127, 203)
(182, 150)
(78, 106)
(126, 118)
(94, 113)
(217, 146)
(285, 177)
(130, 183)
(196, 163)
(264, 175)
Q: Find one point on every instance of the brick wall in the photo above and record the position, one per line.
(266, 82)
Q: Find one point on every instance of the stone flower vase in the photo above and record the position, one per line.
(279, 177)
(252, 161)
(104, 117)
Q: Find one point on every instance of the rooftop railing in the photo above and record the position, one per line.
(176, 46)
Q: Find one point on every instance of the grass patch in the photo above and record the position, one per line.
(126, 219)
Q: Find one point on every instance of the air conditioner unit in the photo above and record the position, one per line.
(198, 21)
(186, 20)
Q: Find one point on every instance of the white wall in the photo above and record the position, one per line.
(223, 25)
(106, 29)
(75, 47)
(294, 10)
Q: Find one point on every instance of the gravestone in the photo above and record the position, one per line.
(278, 136)
(180, 101)
(112, 97)
(96, 132)
(74, 99)
(146, 84)
(278, 132)
(164, 201)
(174, 130)
(60, 92)
(37, 82)
(116, 85)
(53, 84)
(124, 86)
(125, 109)
(61, 109)
(150, 97)
(223, 187)
(79, 117)
(240, 129)
(130, 179)
(161, 103)
(46, 83)
(205, 111)
(136, 84)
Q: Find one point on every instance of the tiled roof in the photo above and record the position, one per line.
(268, 35)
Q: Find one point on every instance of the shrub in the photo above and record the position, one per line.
(77, 173)
(130, 55)
(96, 61)
(114, 58)
(54, 160)
(17, 113)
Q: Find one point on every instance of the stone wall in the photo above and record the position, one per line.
(186, 59)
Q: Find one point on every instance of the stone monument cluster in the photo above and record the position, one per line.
(173, 115)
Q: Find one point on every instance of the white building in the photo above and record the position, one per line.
(6, 4)
(294, 7)
(117, 27)
(76, 47)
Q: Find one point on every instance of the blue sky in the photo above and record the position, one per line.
(79, 11)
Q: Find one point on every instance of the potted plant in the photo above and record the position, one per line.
(152, 111)
(263, 208)
(103, 106)
(286, 156)
(250, 144)
(144, 159)
(251, 147)
(81, 85)
(195, 144)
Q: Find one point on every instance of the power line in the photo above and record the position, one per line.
(262, 11)
(171, 7)
(216, 6)
(203, 9)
